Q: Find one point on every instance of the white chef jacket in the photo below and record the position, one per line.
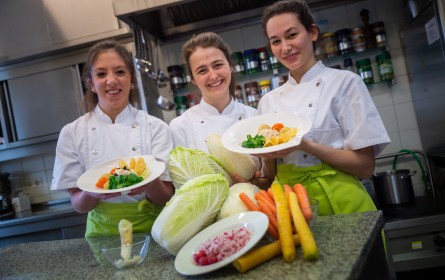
(338, 103)
(93, 139)
(191, 128)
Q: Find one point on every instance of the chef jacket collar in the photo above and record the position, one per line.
(119, 118)
(206, 107)
(309, 75)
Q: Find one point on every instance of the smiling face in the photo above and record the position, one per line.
(291, 43)
(211, 72)
(111, 81)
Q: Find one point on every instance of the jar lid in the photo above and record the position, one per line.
(174, 68)
(328, 34)
(383, 56)
(378, 24)
(236, 54)
(250, 51)
(363, 62)
(356, 28)
(261, 49)
(263, 83)
(251, 84)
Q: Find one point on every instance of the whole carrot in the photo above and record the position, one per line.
(287, 190)
(248, 202)
(264, 198)
(270, 193)
(303, 201)
(284, 224)
(265, 209)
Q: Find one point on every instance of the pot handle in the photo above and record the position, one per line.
(411, 173)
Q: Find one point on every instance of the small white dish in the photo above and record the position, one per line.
(234, 136)
(255, 222)
(88, 180)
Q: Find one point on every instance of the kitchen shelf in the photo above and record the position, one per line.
(366, 52)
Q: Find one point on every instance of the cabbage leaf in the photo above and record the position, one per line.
(193, 207)
(189, 163)
(233, 204)
(233, 163)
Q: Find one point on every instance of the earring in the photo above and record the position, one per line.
(93, 90)
(132, 86)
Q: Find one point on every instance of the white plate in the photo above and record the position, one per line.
(88, 180)
(237, 133)
(255, 222)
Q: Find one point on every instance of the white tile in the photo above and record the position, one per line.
(401, 92)
(388, 116)
(392, 30)
(337, 18)
(380, 94)
(395, 144)
(354, 10)
(406, 116)
(33, 164)
(252, 37)
(410, 139)
(398, 62)
(389, 10)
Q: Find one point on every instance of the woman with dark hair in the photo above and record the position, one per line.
(112, 128)
(347, 131)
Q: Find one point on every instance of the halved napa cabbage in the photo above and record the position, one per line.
(241, 164)
(193, 207)
(189, 163)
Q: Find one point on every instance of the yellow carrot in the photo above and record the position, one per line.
(307, 241)
(284, 224)
(260, 255)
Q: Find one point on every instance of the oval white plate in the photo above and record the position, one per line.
(88, 180)
(234, 136)
(255, 222)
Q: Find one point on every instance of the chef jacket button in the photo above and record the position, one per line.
(134, 148)
(93, 129)
(94, 152)
(318, 84)
(202, 122)
(310, 105)
(305, 156)
(133, 125)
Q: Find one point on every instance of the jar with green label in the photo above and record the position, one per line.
(238, 63)
(252, 61)
(384, 65)
(365, 70)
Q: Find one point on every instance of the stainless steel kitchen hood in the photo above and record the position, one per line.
(175, 19)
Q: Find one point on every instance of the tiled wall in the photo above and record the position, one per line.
(394, 102)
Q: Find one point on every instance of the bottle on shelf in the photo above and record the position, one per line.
(252, 94)
(264, 59)
(344, 41)
(358, 39)
(252, 61)
(384, 66)
(365, 71)
(369, 37)
(378, 31)
(264, 87)
(348, 64)
(238, 63)
(330, 44)
(181, 104)
(176, 77)
(239, 94)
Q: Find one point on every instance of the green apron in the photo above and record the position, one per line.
(337, 192)
(104, 219)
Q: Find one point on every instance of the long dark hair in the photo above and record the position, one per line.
(297, 7)
(207, 40)
(91, 99)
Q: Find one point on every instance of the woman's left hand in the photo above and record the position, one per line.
(261, 182)
(277, 154)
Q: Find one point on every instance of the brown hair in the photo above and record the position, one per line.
(297, 7)
(91, 99)
(207, 40)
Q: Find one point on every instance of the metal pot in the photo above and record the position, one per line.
(393, 187)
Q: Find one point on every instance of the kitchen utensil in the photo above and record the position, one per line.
(393, 187)
(165, 104)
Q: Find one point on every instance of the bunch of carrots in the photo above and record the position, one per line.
(283, 205)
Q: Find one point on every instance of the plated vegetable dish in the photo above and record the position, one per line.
(124, 175)
(269, 136)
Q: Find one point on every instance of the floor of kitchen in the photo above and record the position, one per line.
(424, 274)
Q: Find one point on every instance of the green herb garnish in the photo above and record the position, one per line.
(122, 181)
(254, 142)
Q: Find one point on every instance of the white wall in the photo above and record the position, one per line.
(394, 102)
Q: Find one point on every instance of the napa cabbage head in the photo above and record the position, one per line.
(234, 163)
(193, 207)
(189, 163)
(233, 204)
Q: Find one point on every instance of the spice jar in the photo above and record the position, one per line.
(378, 30)
(186, 79)
(344, 41)
(330, 44)
(238, 63)
(176, 77)
(192, 99)
(252, 61)
(264, 87)
(274, 62)
(358, 39)
(365, 70)
(181, 104)
(264, 59)
(252, 94)
(384, 66)
(239, 94)
(348, 64)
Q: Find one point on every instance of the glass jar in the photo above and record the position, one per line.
(238, 63)
(344, 41)
(384, 66)
(181, 104)
(253, 97)
(264, 59)
(192, 99)
(365, 71)
(378, 30)
(239, 94)
(274, 62)
(264, 87)
(252, 61)
(176, 77)
(186, 79)
(348, 64)
(330, 44)
(358, 39)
